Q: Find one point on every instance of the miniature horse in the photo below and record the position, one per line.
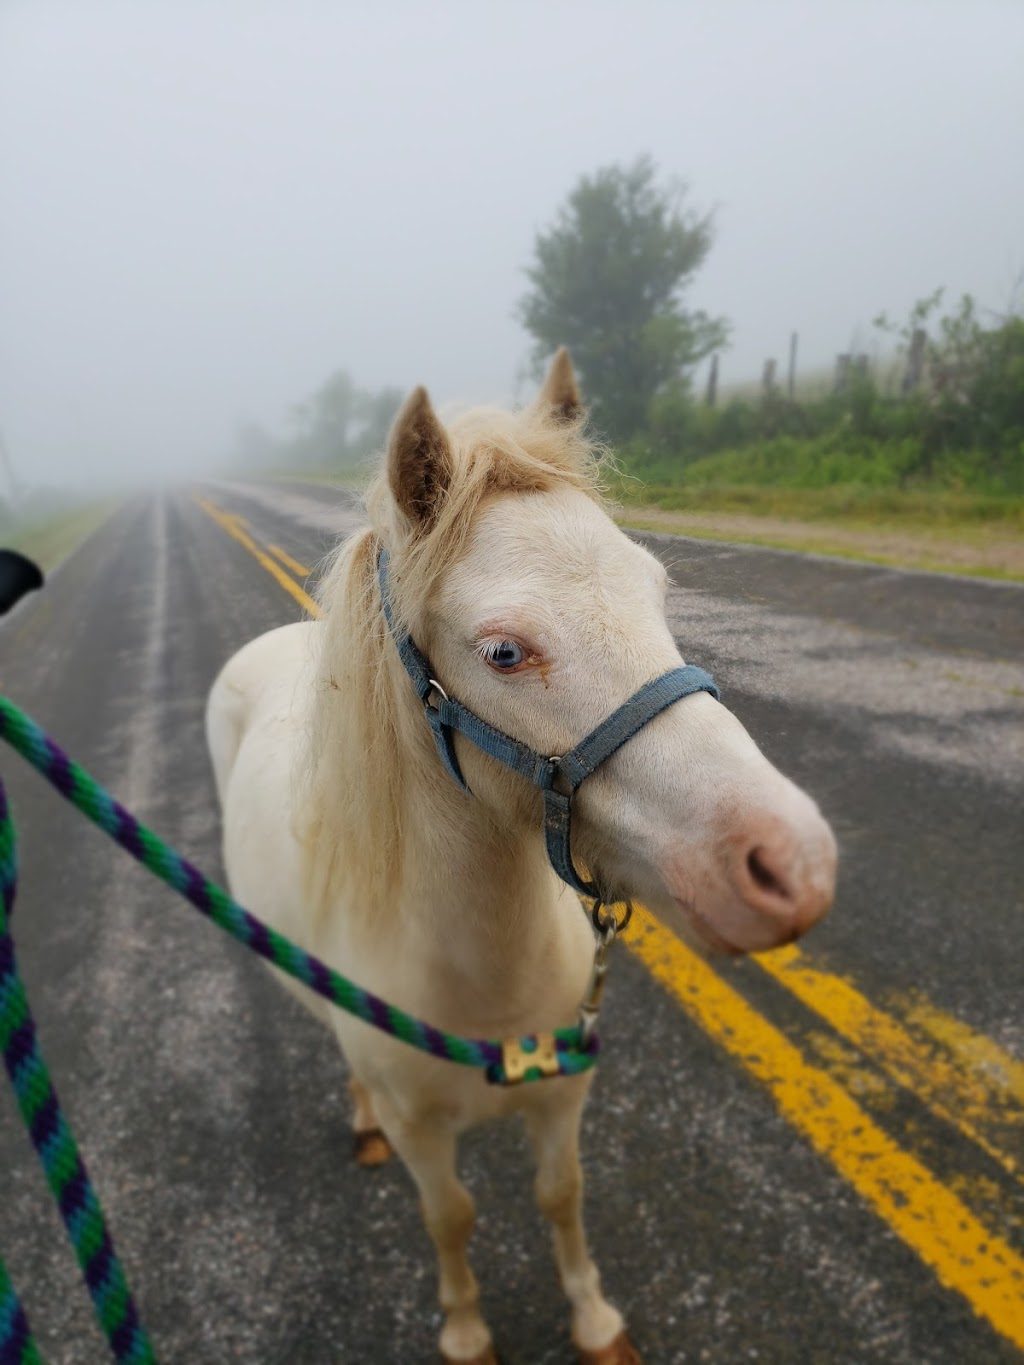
(344, 830)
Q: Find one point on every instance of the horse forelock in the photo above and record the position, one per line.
(492, 452)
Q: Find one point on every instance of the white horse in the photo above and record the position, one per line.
(343, 829)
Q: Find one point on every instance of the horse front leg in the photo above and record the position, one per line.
(428, 1151)
(554, 1128)
(369, 1145)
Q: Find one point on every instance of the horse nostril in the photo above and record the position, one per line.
(763, 876)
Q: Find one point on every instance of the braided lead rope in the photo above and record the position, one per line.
(58, 1152)
(51, 1134)
(86, 794)
(16, 1344)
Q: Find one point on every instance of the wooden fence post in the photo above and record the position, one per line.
(915, 361)
(711, 392)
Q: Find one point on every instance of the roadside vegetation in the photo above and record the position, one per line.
(931, 476)
(914, 455)
(918, 461)
(956, 427)
(48, 537)
(331, 433)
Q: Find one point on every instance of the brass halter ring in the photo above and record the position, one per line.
(607, 925)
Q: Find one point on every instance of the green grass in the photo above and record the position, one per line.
(936, 529)
(898, 464)
(51, 541)
(939, 511)
(932, 528)
(926, 556)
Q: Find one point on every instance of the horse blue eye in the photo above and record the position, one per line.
(504, 654)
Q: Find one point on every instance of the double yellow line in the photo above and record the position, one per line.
(237, 528)
(965, 1255)
(961, 1076)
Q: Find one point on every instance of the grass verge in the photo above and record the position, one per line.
(959, 533)
(53, 540)
(978, 535)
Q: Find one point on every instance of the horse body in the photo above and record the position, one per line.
(342, 828)
(495, 956)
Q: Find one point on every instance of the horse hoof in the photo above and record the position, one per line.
(617, 1352)
(488, 1358)
(370, 1147)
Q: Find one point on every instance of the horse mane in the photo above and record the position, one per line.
(365, 742)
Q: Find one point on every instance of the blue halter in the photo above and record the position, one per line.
(446, 716)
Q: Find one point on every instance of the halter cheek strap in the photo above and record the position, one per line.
(446, 716)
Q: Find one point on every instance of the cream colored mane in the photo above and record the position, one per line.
(364, 742)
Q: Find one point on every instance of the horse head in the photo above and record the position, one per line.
(542, 618)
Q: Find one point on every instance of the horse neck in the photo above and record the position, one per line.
(388, 834)
(478, 910)
(488, 878)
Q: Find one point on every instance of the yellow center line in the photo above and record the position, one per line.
(964, 1254)
(930, 1219)
(231, 524)
(973, 1050)
(979, 1101)
(289, 562)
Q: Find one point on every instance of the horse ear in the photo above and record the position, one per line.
(560, 393)
(419, 460)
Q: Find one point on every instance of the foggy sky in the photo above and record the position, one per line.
(205, 208)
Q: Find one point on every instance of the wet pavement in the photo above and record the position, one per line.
(213, 1111)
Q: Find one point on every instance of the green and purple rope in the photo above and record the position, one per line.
(58, 1152)
(16, 1344)
(37, 1099)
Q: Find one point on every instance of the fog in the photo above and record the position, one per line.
(206, 208)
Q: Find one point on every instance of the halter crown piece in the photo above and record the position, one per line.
(445, 715)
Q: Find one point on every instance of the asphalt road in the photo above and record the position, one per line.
(735, 1216)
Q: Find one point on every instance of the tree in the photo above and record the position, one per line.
(341, 422)
(607, 281)
(376, 410)
(324, 421)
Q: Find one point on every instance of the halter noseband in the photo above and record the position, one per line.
(445, 716)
